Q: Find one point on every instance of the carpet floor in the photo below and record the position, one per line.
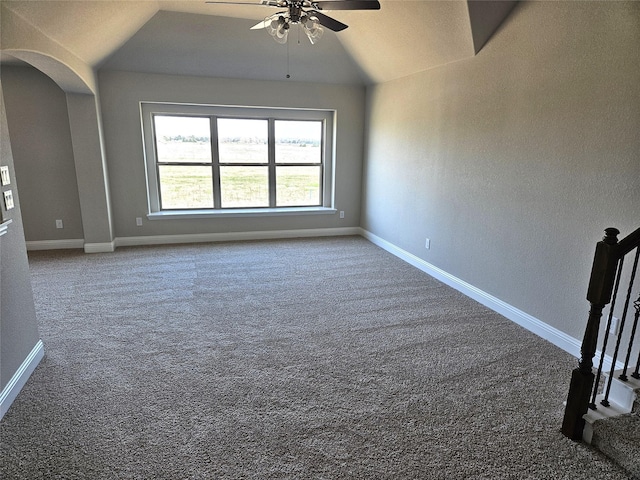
(296, 359)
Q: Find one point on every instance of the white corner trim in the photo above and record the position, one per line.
(74, 243)
(534, 325)
(19, 379)
(235, 236)
(105, 247)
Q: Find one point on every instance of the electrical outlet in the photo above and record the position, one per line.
(427, 244)
(341, 213)
(59, 224)
(8, 200)
(615, 326)
(5, 179)
(139, 221)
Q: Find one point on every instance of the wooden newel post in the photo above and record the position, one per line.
(603, 272)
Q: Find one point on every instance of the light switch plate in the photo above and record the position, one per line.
(4, 176)
(8, 200)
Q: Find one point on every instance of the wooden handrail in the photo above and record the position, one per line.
(628, 243)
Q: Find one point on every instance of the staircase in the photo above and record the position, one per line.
(615, 430)
(603, 404)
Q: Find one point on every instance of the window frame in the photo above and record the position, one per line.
(150, 109)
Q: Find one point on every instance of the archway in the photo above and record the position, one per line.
(86, 135)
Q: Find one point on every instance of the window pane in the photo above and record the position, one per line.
(182, 139)
(298, 142)
(243, 141)
(244, 187)
(297, 186)
(186, 187)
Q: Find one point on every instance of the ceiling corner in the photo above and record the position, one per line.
(485, 17)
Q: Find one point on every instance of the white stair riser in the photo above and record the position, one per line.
(623, 394)
(623, 399)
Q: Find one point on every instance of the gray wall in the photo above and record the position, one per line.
(18, 326)
(120, 95)
(514, 161)
(42, 149)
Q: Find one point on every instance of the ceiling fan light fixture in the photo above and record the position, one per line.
(278, 27)
(312, 29)
(282, 34)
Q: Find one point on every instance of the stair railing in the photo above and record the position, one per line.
(606, 272)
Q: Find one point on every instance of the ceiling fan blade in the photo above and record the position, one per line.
(260, 24)
(348, 5)
(326, 21)
(265, 3)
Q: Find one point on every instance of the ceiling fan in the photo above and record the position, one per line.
(305, 13)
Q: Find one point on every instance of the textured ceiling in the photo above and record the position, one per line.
(92, 30)
(192, 37)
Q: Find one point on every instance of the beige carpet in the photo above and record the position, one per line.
(321, 359)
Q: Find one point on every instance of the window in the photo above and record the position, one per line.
(235, 158)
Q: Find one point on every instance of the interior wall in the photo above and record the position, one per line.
(121, 94)
(38, 121)
(513, 162)
(18, 325)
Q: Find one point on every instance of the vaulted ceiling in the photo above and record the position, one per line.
(196, 38)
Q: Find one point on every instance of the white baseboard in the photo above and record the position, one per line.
(540, 328)
(235, 236)
(107, 247)
(75, 243)
(104, 247)
(19, 379)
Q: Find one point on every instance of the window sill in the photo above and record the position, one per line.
(240, 212)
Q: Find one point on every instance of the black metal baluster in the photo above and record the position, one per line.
(592, 405)
(623, 375)
(605, 400)
(636, 305)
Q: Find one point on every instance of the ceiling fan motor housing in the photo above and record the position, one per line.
(295, 12)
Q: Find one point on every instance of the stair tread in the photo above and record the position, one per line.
(619, 438)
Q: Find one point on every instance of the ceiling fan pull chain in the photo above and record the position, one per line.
(288, 73)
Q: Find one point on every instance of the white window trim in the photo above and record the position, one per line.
(240, 212)
(148, 109)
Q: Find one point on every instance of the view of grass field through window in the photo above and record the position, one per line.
(187, 169)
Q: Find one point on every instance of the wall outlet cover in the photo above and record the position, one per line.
(4, 176)
(8, 200)
(615, 326)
